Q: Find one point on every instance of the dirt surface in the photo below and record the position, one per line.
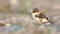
(18, 12)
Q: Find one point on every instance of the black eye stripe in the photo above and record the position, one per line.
(33, 11)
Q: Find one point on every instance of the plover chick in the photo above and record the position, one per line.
(38, 16)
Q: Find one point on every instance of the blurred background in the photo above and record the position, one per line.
(17, 14)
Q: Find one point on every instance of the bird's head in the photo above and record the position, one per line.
(35, 11)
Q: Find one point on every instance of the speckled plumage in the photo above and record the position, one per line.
(39, 16)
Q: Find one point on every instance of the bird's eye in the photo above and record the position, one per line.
(33, 11)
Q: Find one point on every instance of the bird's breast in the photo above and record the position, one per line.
(35, 18)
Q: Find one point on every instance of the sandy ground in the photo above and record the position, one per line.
(10, 12)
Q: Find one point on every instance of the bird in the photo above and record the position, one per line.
(38, 16)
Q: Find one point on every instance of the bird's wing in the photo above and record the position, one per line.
(41, 16)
